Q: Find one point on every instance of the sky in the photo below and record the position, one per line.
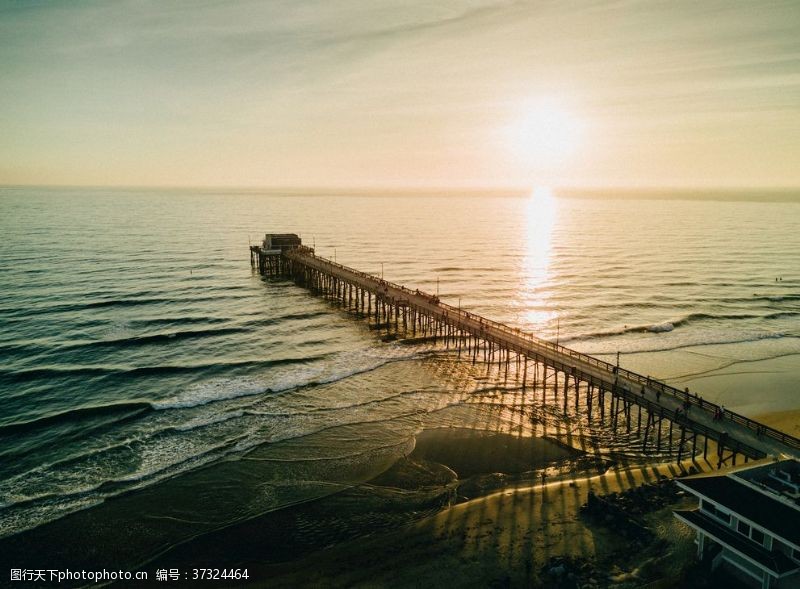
(345, 93)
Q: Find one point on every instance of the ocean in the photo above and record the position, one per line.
(142, 357)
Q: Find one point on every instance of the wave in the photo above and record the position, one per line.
(283, 318)
(215, 366)
(123, 335)
(50, 503)
(114, 486)
(463, 269)
(129, 409)
(782, 315)
(117, 302)
(243, 441)
(122, 303)
(201, 422)
(187, 320)
(769, 298)
(22, 349)
(345, 407)
(670, 325)
(54, 503)
(653, 347)
(80, 413)
(124, 372)
(791, 296)
(643, 328)
(23, 512)
(163, 337)
(54, 372)
(315, 375)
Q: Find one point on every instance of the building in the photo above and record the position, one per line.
(749, 519)
(276, 243)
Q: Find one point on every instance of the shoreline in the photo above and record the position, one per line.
(416, 519)
(507, 537)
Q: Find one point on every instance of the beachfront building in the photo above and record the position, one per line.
(749, 519)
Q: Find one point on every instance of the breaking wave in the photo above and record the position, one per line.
(672, 324)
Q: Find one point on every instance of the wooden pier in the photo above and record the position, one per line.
(659, 414)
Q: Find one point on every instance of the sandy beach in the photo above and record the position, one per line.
(502, 539)
(507, 537)
(464, 508)
(786, 421)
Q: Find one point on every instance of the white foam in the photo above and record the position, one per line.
(278, 380)
(52, 493)
(213, 390)
(118, 330)
(204, 422)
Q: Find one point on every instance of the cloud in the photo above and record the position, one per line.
(323, 85)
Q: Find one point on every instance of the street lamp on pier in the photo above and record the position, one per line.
(558, 328)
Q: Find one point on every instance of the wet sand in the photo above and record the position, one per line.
(447, 466)
(506, 538)
(786, 421)
(469, 452)
(502, 539)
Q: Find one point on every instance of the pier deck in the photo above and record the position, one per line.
(395, 305)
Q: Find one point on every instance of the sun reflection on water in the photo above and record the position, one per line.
(541, 211)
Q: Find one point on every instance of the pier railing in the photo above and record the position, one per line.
(684, 396)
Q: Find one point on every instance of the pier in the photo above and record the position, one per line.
(659, 414)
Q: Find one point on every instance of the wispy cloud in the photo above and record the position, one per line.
(326, 91)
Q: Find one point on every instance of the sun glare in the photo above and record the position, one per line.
(547, 132)
(541, 212)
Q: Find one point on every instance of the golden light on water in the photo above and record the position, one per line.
(541, 213)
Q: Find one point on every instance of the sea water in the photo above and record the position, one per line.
(139, 349)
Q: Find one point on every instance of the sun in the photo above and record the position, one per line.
(547, 132)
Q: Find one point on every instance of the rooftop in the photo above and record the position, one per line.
(761, 507)
(779, 478)
(776, 562)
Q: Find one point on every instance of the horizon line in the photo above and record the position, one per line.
(337, 190)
